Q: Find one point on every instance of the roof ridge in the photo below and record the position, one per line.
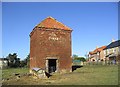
(51, 17)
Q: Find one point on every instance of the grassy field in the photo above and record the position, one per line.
(7, 73)
(86, 75)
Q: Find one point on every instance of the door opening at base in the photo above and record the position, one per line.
(52, 65)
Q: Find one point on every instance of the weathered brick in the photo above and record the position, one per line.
(47, 43)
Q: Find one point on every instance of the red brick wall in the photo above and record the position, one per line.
(50, 43)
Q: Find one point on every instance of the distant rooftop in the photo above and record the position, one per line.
(97, 50)
(113, 44)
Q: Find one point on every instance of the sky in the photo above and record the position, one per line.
(93, 24)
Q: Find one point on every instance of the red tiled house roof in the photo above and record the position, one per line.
(97, 50)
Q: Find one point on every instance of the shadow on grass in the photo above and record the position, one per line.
(48, 74)
(74, 67)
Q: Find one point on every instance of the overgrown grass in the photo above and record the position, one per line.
(98, 75)
(86, 75)
(7, 73)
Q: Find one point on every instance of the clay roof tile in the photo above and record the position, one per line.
(97, 50)
(52, 23)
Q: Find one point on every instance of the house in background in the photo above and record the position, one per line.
(3, 63)
(112, 51)
(108, 54)
(97, 55)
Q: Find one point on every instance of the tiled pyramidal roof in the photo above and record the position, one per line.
(52, 23)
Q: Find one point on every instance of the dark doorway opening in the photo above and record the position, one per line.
(52, 65)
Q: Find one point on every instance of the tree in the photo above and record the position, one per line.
(17, 62)
(74, 56)
(13, 61)
(80, 58)
(22, 63)
(25, 62)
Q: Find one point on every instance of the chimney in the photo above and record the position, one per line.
(113, 40)
(96, 47)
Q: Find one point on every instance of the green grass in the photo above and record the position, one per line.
(86, 75)
(7, 73)
(98, 75)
